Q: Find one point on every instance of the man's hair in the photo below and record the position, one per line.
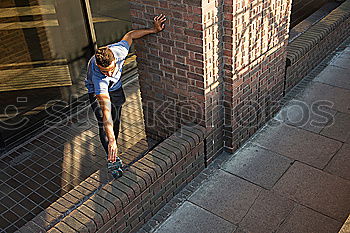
(104, 56)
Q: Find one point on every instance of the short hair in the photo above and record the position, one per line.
(104, 56)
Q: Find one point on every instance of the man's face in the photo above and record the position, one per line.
(108, 70)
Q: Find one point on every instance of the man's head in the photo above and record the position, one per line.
(105, 60)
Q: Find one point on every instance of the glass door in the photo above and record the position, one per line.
(45, 46)
(44, 49)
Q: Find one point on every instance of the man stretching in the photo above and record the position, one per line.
(104, 85)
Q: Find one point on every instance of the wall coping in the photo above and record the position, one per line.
(95, 203)
(346, 226)
(305, 42)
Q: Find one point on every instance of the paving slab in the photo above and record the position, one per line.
(267, 213)
(316, 93)
(306, 116)
(191, 218)
(340, 163)
(258, 165)
(341, 60)
(233, 196)
(346, 51)
(340, 128)
(297, 144)
(306, 220)
(335, 76)
(318, 190)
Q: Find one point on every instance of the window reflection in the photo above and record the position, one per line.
(45, 46)
(111, 20)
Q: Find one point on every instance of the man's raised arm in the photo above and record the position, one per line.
(135, 34)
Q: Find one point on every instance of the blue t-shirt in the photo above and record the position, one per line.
(99, 83)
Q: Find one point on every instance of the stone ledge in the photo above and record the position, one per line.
(305, 42)
(128, 202)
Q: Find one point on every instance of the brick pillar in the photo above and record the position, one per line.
(255, 34)
(171, 65)
(219, 63)
(178, 68)
(212, 77)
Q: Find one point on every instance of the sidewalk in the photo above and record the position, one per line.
(293, 176)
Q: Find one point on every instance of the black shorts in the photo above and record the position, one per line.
(117, 97)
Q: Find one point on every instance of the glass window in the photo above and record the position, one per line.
(111, 20)
(45, 46)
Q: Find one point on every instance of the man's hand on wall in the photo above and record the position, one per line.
(159, 23)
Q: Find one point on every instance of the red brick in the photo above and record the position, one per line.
(63, 227)
(102, 207)
(74, 224)
(163, 153)
(127, 190)
(151, 174)
(85, 220)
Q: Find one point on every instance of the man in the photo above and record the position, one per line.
(104, 85)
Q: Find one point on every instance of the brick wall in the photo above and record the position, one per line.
(310, 48)
(223, 59)
(179, 74)
(254, 77)
(212, 78)
(171, 65)
(126, 203)
(301, 9)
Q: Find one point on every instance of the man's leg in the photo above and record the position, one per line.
(117, 99)
(114, 168)
(116, 120)
(116, 113)
(98, 114)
